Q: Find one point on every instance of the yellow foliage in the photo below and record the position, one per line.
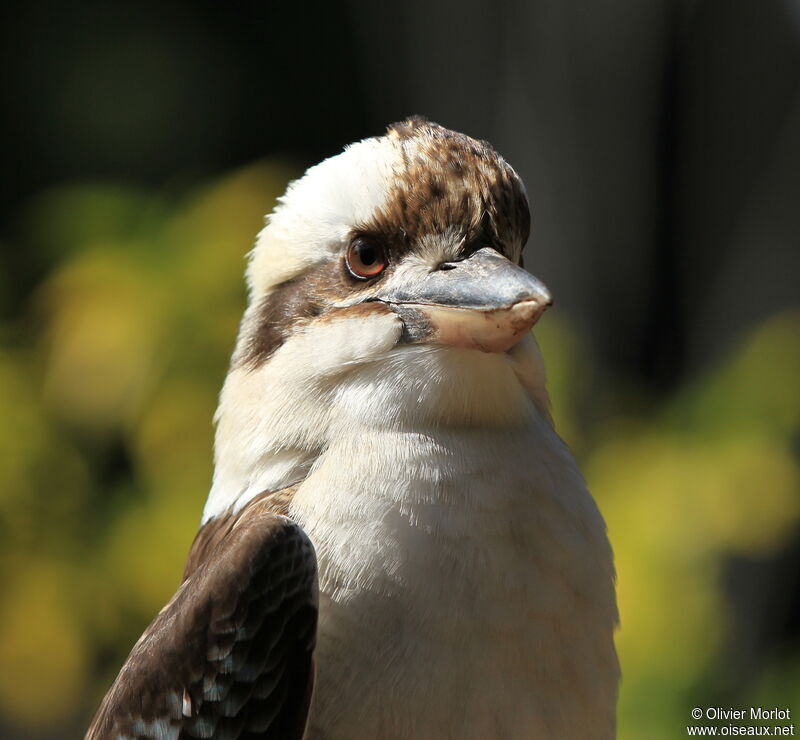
(103, 338)
(43, 655)
(714, 476)
(147, 548)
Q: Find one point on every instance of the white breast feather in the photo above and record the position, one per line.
(466, 582)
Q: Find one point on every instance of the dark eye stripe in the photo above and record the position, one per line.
(267, 326)
(270, 321)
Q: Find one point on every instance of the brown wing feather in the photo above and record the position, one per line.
(231, 655)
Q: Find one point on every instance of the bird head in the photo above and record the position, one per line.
(387, 284)
(424, 223)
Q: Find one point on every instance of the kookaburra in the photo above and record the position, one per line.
(396, 544)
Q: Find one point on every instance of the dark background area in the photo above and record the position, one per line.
(659, 143)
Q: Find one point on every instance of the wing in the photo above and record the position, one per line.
(231, 655)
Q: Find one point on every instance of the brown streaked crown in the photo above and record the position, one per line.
(449, 180)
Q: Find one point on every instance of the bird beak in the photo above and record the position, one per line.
(483, 302)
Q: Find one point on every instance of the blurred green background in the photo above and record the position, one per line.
(660, 143)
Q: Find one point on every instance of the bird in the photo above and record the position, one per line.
(396, 542)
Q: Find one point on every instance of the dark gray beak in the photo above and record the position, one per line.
(483, 302)
(485, 281)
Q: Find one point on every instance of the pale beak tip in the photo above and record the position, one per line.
(543, 297)
(527, 312)
(536, 293)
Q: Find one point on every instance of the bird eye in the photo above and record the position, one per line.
(365, 259)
